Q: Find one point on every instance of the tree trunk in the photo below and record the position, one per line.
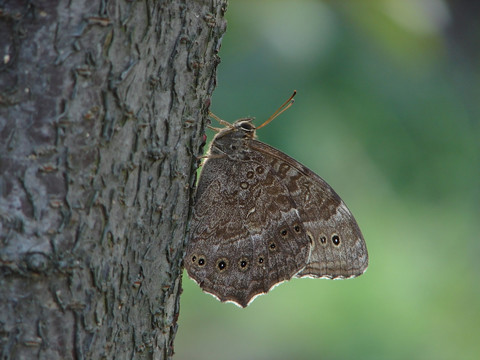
(101, 109)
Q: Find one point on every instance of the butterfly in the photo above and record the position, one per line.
(261, 218)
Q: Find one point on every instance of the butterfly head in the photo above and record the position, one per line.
(245, 127)
(235, 136)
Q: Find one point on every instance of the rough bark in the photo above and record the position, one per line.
(101, 109)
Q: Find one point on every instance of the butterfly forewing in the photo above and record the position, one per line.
(338, 248)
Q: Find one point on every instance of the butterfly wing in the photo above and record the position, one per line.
(338, 249)
(246, 235)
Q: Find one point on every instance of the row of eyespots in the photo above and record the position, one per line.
(296, 228)
(284, 232)
(250, 174)
(259, 170)
(335, 239)
(201, 260)
(323, 239)
(223, 263)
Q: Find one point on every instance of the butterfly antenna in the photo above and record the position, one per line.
(280, 110)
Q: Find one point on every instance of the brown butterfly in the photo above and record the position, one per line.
(261, 218)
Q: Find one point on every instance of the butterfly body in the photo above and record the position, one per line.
(261, 218)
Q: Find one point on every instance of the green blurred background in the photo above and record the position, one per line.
(387, 112)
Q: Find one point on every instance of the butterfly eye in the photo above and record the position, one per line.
(201, 261)
(246, 126)
(194, 258)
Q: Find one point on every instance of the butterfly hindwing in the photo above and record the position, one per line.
(246, 236)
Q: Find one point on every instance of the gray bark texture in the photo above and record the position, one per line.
(102, 109)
